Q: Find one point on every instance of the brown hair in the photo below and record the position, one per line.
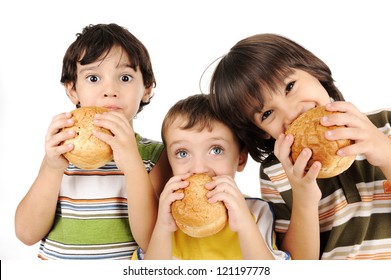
(256, 64)
(97, 40)
(197, 113)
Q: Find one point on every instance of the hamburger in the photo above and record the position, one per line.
(308, 132)
(89, 152)
(194, 215)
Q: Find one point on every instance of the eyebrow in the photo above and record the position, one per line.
(89, 67)
(182, 142)
(177, 142)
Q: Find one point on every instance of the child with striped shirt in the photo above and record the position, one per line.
(260, 87)
(108, 212)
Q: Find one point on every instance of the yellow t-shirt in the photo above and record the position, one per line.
(225, 244)
(185, 247)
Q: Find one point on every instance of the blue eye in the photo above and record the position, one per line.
(216, 150)
(181, 154)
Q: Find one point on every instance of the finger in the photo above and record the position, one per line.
(278, 143)
(62, 149)
(340, 106)
(232, 203)
(354, 149)
(220, 196)
(57, 139)
(301, 162)
(225, 187)
(176, 196)
(58, 122)
(114, 127)
(343, 119)
(349, 114)
(174, 186)
(119, 114)
(175, 183)
(105, 137)
(344, 133)
(219, 180)
(112, 115)
(113, 121)
(169, 197)
(285, 150)
(179, 177)
(313, 172)
(170, 193)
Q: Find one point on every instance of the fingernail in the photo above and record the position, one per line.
(329, 133)
(288, 137)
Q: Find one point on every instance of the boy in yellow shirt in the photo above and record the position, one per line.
(199, 142)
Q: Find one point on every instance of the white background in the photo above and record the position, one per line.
(183, 38)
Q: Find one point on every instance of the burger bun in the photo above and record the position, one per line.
(88, 151)
(309, 133)
(194, 215)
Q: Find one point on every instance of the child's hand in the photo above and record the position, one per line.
(165, 220)
(122, 138)
(369, 140)
(304, 185)
(54, 137)
(224, 188)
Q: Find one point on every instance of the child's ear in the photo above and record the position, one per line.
(243, 156)
(147, 94)
(72, 94)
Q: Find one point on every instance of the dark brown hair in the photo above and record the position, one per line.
(97, 40)
(254, 65)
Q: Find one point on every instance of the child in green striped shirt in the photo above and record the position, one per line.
(104, 213)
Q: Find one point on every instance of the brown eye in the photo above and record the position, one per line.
(93, 78)
(266, 114)
(126, 78)
(289, 87)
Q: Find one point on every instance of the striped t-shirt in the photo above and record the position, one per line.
(355, 208)
(92, 212)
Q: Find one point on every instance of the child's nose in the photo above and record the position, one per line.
(200, 166)
(110, 90)
(110, 94)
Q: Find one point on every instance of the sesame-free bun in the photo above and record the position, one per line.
(308, 132)
(194, 215)
(89, 152)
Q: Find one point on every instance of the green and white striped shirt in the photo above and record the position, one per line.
(92, 212)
